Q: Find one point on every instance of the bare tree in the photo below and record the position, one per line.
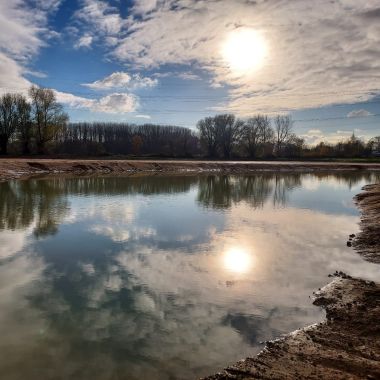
(229, 131)
(374, 144)
(283, 129)
(48, 116)
(8, 120)
(251, 136)
(24, 122)
(257, 132)
(208, 135)
(294, 146)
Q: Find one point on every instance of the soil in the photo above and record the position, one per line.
(22, 167)
(367, 242)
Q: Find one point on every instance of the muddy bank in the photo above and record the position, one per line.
(17, 168)
(367, 242)
(347, 344)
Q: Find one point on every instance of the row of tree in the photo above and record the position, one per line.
(40, 125)
(226, 136)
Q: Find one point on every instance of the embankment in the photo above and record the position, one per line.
(367, 243)
(17, 168)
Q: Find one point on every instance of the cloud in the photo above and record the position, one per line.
(19, 29)
(11, 75)
(105, 19)
(73, 100)
(148, 117)
(117, 103)
(315, 136)
(37, 74)
(85, 41)
(314, 132)
(189, 76)
(23, 28)
(344, 35)
(359, 113)
(112, 103)
(144, 6)
(122, 80)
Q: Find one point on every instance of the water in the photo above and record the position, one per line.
(165, 277)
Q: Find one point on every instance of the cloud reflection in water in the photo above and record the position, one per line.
(158, 277)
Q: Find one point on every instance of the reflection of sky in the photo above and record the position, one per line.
(156, 286)
(331, 197)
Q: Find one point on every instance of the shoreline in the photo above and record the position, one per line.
(15, 168)
(346, 345)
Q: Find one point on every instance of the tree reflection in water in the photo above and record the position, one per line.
(43, 201)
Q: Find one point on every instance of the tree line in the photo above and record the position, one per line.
(39, 125)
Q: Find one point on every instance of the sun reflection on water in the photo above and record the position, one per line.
(237, 260)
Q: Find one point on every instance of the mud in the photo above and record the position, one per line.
(18, 168)
(367, 242)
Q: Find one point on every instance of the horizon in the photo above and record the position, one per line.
(175, 62)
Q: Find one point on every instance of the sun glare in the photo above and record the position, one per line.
(244, 50)
(237, 260)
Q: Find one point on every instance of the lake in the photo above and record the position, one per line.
(165, 277)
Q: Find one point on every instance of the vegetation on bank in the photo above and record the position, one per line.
(39, 125)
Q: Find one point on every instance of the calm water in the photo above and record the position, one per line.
(164, 277)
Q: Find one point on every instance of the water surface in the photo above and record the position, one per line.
(165, 277)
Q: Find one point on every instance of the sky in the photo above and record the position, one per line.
(177, 61)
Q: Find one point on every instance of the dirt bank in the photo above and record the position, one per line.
(347, 344)
(16, 168)
(367, 243)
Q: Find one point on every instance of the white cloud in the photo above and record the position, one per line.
(112, 103)
(314, 132)
(145, 6)
(117, 103)
(85, 41)
(189, 76)
(315, 136)
(37, 74)
(22, 27)
(122, 80)
(19, 29)
(105, 18)
(318, 55)
(11, 75)
(148, 117)
(359, 113)
(73, 100)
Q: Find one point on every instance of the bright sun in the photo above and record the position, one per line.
(244, 50)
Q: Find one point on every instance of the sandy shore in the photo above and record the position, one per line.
(16, 168)
(347, 344)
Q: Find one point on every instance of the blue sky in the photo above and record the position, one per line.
(176, 61)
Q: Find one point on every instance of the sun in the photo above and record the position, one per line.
(244, 50)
